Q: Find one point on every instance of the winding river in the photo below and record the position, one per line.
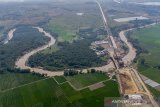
(10, 36)
(21, 62)
(129, 57)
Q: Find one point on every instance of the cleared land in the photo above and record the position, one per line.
(47, 93)
(149, 39)
(127, 19)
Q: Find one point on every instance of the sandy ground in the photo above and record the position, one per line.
(127, 59)
(127, 82)
(10, 36)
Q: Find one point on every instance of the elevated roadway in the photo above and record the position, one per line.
(114, 46)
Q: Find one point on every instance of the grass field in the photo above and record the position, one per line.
(60, 79)
(149, 39)
(11, 80)
(83, 80)
(67, 25)
(154, 92)
(46, 93)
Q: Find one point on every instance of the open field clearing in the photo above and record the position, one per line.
(149, 39)
(83, 80)
(69, 23)
(127, 19)
(48, 93)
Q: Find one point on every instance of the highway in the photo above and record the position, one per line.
(110, 35)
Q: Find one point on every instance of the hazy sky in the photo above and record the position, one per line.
(11, 0)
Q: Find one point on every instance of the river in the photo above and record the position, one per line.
(22, 61)
(10, 36)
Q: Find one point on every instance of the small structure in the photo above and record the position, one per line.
(101, 42)
(101, 53)
(135, 99)
(79, 14)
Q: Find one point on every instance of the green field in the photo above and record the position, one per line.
(60, 79)
(83, 80)
(11, 80)
(46, 93)
(154, 92)
(67, 25)
(149, 39)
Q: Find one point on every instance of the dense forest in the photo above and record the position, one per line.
(71, 55)
(23, 40)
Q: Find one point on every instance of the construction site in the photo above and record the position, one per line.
(131, 86)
